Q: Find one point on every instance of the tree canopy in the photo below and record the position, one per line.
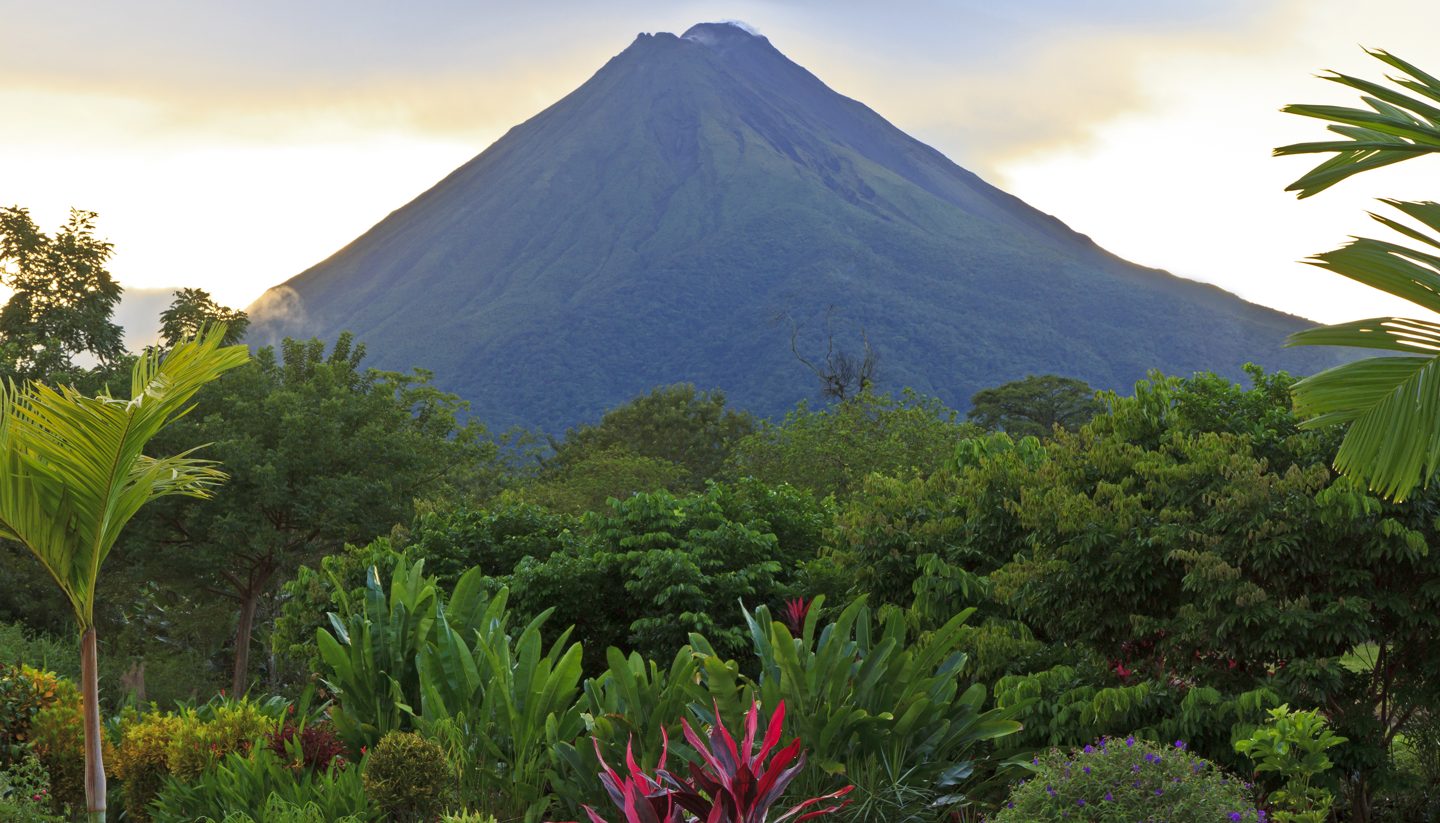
(62, 297)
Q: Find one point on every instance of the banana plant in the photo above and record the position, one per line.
(1391, 403)
(75, 472)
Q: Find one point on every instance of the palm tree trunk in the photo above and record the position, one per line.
(94, 760)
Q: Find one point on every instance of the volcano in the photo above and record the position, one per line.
(702, 210)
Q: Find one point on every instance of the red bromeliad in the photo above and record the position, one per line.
(731, 784)
(796, 610)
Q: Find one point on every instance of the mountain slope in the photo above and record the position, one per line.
(649, 227)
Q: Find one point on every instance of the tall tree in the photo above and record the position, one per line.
(692, 429)
(73, 473)
(1035, 405)
(325, 452)
(62, 300)
(1392, 404)
(831, 450)
(194, 309)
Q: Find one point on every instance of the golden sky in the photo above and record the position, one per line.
(232, 145)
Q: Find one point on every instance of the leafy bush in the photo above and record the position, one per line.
(370, 649)
(313, 746)
(467, 817)
(862, 694)
(57, 737)
(500, 704)
(657, 566)
(315, 592)
(142, 760)
(45, 652)
(280, 810)
(1128, 780)
(25, 793)
(629, 711)
(249, 785)
(1292, 745)
(24, 691)
(408, 778)
(199, 743)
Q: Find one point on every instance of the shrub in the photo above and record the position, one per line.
(199, 743)
(280, 810)
(1292, 745)
(47, 652)
(865, 694)
(142, 760)
(467, 817)
(25, 793)
(241, 788)
(407, 777)
(57, 737)
(313, 746)
(730, 784)
(23, 693)
(1127, 780)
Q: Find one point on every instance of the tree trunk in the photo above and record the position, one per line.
(240, 680)
(94, 760)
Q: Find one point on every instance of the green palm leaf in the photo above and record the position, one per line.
(1391, 404)
(1397, 126)
(74, 471)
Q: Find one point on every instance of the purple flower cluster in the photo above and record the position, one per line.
(1129, 776)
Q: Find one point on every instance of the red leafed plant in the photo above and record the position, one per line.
(315, 747)
(794, 614)
(730, 785)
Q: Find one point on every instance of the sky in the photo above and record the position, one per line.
(230, 146)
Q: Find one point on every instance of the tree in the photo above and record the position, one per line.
(831, 450)
(1392, 404)
(75, 473)
(1194, 535)
(62, 298)
(1035, 405)
(842, 375)
(677, 424)
(194, 309)
(325, 452)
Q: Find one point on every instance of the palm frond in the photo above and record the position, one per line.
(1392, 405)
(1397, 126)
(1408, 273)
(74, 468)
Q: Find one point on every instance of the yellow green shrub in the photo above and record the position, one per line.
(198, 745)
(408, 777)
(142, 760)
(24, 692)
(57, 737)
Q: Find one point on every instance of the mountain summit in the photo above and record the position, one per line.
(702, 204)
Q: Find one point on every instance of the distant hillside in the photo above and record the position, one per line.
(651, 226)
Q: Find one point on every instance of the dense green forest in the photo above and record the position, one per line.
(308, 590)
